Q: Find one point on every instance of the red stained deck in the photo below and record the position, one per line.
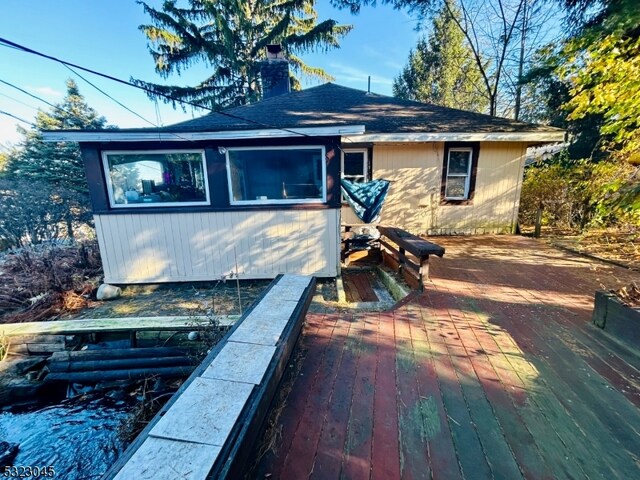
(493, 372)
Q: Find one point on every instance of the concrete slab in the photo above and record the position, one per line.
(297, 280)
(241, 362)
(162, 459)
(265, 324)
(286, 292)
(205, 412)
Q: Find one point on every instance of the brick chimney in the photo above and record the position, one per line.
(274, 72)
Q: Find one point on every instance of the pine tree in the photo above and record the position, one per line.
(230, 36)
(442, 70)
(56, 166)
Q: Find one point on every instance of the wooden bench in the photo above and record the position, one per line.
(208, 428)
(396, 243)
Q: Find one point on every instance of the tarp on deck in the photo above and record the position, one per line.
(366, 199)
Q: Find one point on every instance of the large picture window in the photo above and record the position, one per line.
(459, 172)
(156, 178)
(276, 175)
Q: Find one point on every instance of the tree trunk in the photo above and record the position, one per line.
(538, 226)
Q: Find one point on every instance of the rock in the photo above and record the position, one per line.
(193, 336)
(8, 452)
(108, 292)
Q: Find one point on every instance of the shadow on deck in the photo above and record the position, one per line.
(494, 371)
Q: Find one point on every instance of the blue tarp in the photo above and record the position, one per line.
(366, 199)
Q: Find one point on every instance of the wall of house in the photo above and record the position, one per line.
(414, 202)
(194, 246)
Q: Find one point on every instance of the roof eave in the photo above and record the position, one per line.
(527, 137)
(178, 136)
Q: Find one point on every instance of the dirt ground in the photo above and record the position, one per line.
(608, 244)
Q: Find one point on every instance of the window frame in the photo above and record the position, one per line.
(365, 167)
(109, 184)
(276, 201)
(473, 148)
(365, 162)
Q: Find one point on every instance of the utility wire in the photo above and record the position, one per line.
(16, 117)
(9, 43)
(35, 96)
(109, 96)
(18, 101)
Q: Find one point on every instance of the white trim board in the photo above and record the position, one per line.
(533, 137)
(120, 136)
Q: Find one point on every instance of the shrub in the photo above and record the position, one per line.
(579, 194)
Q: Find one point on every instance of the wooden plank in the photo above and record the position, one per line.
(120, 324)
(412, 243)
(411, 279)
(328, 461)
(112, 353)
(385, 454)
(357, 450)
(109, 375)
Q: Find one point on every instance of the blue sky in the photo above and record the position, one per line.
(104, 36)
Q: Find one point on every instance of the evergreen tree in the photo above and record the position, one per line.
(58, 166)
(442, 70)
(230, 36)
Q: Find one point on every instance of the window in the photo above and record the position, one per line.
(458, 174)
(156, 178)
(355, 165)
(276, 175)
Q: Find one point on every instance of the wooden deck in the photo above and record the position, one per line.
(493, 372)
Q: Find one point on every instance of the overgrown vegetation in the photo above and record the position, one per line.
(43, 189)
(47, 280)
(578, 194)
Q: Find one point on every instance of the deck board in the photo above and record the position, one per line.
(493, 372)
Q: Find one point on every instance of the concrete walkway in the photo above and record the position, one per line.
(493, 372)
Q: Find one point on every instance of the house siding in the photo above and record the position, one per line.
(198, 246)
(414, 199)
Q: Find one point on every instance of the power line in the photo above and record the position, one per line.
(18, 101)
(16, 117)
(9, 43)
(35, 96)
(109, 96)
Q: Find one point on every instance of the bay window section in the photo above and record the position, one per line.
(156, 178)
(276, 175)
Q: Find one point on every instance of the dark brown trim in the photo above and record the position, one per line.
(475, 154)
(216, 174)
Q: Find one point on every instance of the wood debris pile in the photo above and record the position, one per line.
(44, 281)
(629, 295)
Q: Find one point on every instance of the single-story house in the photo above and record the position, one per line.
(256, 189)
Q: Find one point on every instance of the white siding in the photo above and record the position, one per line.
(413, 202)
(174, 247)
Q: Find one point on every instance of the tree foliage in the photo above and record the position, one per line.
(44, 183)
(442, 70)
(230, 36)
(579, 194)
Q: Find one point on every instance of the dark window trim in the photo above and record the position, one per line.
(368, 168)
(475, 154)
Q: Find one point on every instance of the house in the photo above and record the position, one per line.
(256, 189)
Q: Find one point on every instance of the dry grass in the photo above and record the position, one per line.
(630, 295)
(41, 282)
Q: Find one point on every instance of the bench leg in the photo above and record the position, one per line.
(424, 272)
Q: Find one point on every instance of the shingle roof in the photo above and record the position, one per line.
(335, 105)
